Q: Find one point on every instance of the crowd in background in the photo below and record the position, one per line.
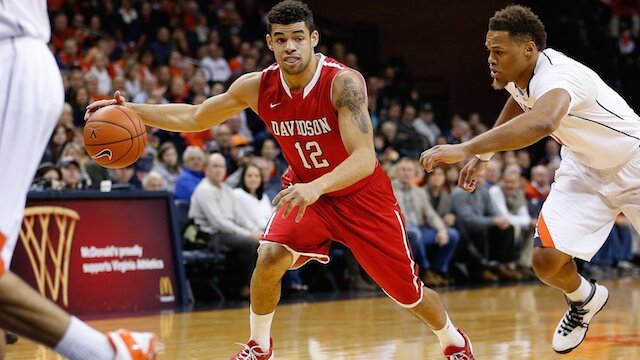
(158, 51)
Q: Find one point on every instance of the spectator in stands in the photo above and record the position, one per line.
(192, 160)
(99, 70)
(509, 201)
(251, 199)
(61, 135)
(214, 64)
(219, 219)
(424, 226)
(425, 124)
(71, 176)
(222, 143)
(523, 159)
(162, 47)
(149, 84)
(153, 181)
(480, 223)
(551, 152)
(166, 164)
(48, 177)
(125, 178)
(537, 189)
(493, 173)
(440, 195)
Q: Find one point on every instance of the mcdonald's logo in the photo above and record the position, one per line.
(166, 290)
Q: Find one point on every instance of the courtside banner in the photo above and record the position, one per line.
(101, 254)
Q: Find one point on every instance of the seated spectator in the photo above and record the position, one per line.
(153, 181)
(192, 160)
(440, 195)
(125, 179)
(219, 219)
(425, 125)
(490, 233)
(251, 199)
(424, 227)
(509, 201)
(492, 173)
(166, 164)
(537, 189)
(71, 176)
(48, 177)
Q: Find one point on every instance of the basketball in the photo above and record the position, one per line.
(115, 136)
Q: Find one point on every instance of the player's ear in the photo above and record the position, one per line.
(315, 38)
(269, 40)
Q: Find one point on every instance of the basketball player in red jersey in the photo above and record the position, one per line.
(316, 109)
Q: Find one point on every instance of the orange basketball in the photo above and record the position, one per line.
(115, 136)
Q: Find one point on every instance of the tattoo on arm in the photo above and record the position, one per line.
(353, 98)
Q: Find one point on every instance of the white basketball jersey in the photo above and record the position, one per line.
(600, 130)
(24, 18)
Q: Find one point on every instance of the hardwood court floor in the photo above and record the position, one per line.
(507, 323)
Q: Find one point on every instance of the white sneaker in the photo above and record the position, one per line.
(131, 345)
(574, 324)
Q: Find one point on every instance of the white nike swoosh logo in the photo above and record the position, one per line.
(272, 105)
(103, 153)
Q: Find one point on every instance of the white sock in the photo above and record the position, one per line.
(581, 293)
(81, 342)
(261, 328)
(449, 335)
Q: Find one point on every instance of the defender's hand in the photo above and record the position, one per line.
(91, 108)
(301, 195)
(448, 154)
(468, 178)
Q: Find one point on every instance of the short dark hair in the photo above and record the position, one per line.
(521, 23)
(288, 12)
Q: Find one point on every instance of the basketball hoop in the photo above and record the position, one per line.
(48, 247)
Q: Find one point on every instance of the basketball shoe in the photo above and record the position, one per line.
(252, 351)
(574, 324)
(460, 352)
(133, 345)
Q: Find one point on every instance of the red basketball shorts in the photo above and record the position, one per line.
(369, 222)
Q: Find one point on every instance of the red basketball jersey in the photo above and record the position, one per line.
(305, 123)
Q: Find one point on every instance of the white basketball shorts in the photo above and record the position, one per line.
(31, 99)
(580, 211)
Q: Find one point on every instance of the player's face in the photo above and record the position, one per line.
(509, 59)
(292, 46)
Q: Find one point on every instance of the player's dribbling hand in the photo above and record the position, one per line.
(448, 154)
(301, 195)
(118, 99)
(468, 178)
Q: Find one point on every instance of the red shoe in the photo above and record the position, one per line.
(252, 351)
(460, 353)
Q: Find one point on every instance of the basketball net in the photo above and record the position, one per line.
(51, 245)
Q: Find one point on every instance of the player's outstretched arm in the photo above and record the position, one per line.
(521, 131)
(243, 93)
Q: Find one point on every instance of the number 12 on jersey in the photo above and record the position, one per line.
(314, 152)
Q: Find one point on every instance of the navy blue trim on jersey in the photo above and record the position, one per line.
(607, 126)
(547, 56)
(609, 111)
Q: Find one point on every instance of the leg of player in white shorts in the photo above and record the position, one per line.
(575, 221)
(31, 98)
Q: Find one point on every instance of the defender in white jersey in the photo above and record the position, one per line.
(31, 98)
(552, 94)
